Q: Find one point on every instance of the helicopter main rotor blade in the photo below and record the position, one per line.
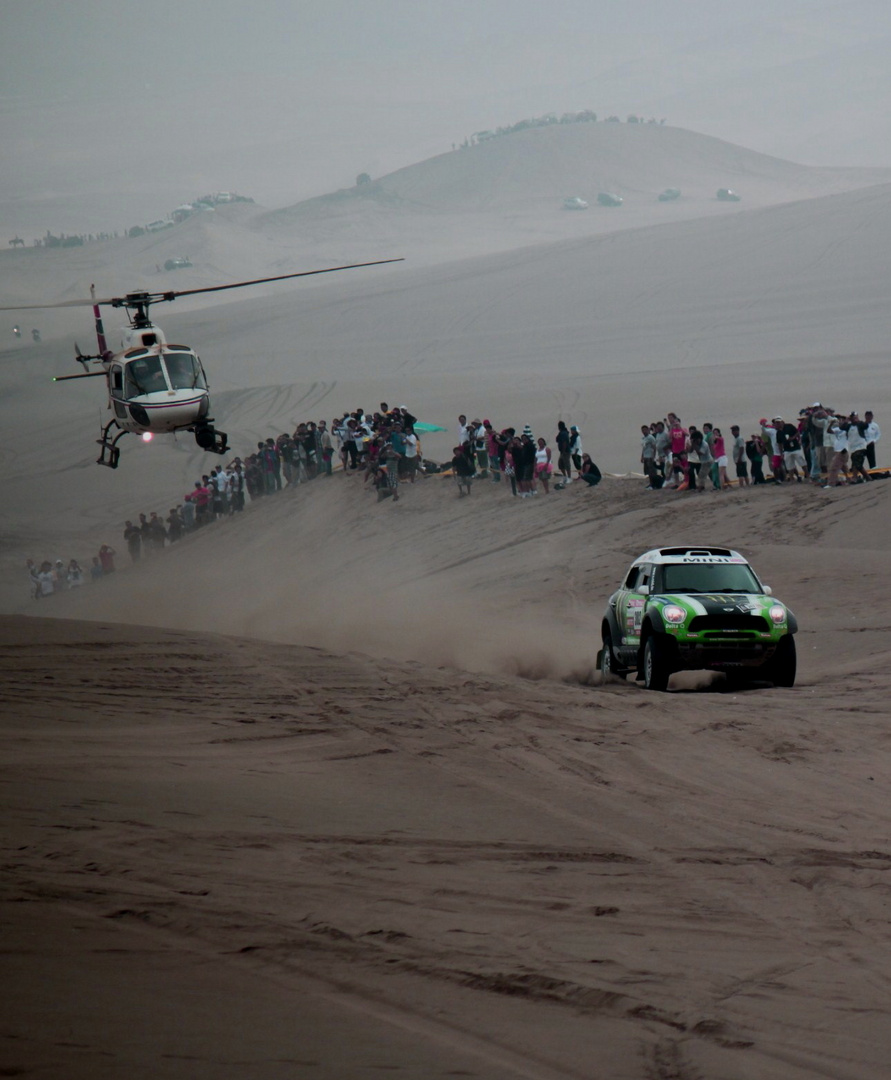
(62, 303)
(280, 277)
(156, 298)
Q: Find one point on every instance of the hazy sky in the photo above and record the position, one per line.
(132, 107)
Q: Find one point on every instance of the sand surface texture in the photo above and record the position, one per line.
(331, 788)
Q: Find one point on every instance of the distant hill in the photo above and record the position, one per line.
(539, 166)
(508, 192)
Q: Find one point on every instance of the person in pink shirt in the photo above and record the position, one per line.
(720, 455)
(492, 448)
(678, 436)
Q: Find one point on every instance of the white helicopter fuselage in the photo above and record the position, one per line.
(156, 387)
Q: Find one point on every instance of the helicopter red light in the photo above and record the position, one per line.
(147, 436)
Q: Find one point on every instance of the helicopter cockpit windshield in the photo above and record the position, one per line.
(144, 376)
(184, 371)
(174, 370)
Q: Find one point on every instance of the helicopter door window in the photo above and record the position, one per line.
(117, 380)
(184, 371)
(144, 376)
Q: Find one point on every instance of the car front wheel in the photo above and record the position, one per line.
(781, 669)
(609, 670)
(656, 664)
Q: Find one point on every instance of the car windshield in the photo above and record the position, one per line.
(708, 578)
(184, 371)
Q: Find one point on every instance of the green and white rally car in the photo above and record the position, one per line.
(682, 608)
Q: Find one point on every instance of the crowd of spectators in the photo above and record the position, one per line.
(822, 445)
(383, 448)
(52, 577)
(525, 462)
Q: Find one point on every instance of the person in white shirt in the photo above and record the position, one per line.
(410, 457)
(838, 433)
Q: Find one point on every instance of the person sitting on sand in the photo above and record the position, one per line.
(589, 471)
(43, 580)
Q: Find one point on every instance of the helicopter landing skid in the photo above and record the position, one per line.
(109, 447)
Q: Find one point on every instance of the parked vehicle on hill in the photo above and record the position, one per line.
(177, 264)
(696, 608)
(670, 194)
(574, 203)
(727, 195)
(609, 198)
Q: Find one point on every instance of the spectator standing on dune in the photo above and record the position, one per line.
(575, 447)
(543, 466)
(648, 455)
(201, 499)
(188, 513)
(873, 434)
(133, 540)
(564, 459)
(462, 470)
(326, 448)
(738, 446)
(493, 452)
(106, 558)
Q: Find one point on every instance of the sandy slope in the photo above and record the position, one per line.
(330, 788)
(287, 862)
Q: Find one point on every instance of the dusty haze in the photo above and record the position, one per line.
(332, 788)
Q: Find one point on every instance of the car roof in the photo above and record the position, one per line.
(690, 554)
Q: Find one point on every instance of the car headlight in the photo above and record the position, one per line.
(777, 614)
(671, 613)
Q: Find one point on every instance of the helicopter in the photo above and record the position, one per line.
(156, 387)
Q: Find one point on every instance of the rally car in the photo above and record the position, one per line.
(683, 608)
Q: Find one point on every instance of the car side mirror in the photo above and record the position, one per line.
(642, 590)
(768, 591)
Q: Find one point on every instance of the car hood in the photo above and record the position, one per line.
(719, 603)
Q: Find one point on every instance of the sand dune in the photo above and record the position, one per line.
(331, 787)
